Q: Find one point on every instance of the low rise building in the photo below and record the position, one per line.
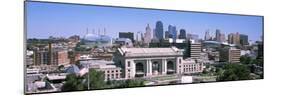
(54, 57)
(111, 71)
(192, 66)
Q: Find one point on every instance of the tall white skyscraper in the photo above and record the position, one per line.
(147, 34)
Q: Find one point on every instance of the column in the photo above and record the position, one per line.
(148, 67)
(164, 66)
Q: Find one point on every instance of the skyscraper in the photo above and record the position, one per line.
(234, 38)
(170, 30)
(147, 34)
(182, 34)
(244, 39)
(218, 35)
(167, 35)
(207, 35)
(230, 38)
(159, 31)
(237, 38)
(173, 32)
(222, 37)
(138, 36)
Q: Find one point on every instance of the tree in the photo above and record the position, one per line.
(128, 83)
(134, 83)
(73, 83)
(96, 79)
(234, 72)
(246, 59)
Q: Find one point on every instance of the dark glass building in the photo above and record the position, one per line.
(244, 39)
(159, 31)
(182, 34)
(129, 35)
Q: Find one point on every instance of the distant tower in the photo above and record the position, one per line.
(182, 34)
(218, 35)
(237, 38)
(230, 38)
(234, 38)
(222, 37)
(159, 31)
(244, 39)
(207, 35)
(104, 30)
(147, 34)
(137, 35)
(173, 32)
(142, 37)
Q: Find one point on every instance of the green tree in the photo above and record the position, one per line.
(246, 60)
(73, 83)
(131, 83)
(96, 79)
(134, 83)
(234, 72)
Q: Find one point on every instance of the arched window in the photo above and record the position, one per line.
(139, 70)
(155, 66)
(171, 67)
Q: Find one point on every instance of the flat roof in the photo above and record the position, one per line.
(131, 52)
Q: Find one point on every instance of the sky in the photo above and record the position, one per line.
(64, 20)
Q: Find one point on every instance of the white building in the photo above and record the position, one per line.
(110, 70)
(147, 35)
(147, 62)
(192, 66)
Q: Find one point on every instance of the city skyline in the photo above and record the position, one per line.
(152, 47)
(62, 20)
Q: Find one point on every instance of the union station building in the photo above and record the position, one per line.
(149, 62)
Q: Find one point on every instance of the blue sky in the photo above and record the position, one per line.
(64, 20)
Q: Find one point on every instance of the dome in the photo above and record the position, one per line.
(103, 39)
(97, 40)
(90, 37)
